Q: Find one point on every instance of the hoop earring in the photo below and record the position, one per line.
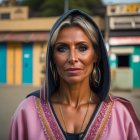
(96, 76)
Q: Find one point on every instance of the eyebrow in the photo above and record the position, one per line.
(79, 42)
(60, 43)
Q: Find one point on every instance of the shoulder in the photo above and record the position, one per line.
(29, 101)
(26, 105)
(34, 93)
(121, 104)
(24, 115)
(30, 105)
(123, 110)
(124, 113)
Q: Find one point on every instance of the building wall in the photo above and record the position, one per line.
(38, 64)
(135, 65)
(15, 12)
(33, 24)
(127, 76)
(27, 63)
(18, 60)
(121, 70)
(123, 23)
(10, 65)
(37, 24)
(14, 63)
(3, 59)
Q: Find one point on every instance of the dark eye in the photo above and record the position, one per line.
(82, 47)
(62, 48)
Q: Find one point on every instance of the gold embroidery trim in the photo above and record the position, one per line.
(105, 120)
(46, 128)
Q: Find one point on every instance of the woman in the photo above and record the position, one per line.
(76, 104)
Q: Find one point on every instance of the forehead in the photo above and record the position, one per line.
(72, 27)
(73, 32)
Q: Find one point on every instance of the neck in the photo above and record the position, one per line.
(74, 95)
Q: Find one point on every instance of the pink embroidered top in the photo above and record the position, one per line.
(115, 119)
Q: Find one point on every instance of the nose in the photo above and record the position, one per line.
(73, 57)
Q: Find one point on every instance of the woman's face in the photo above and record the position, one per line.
(73, 55)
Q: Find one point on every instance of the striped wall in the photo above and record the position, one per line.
(36, 64)
(27, 63)
(38, 76)
(13, 55)
(14, 65)
(18, 60)
(10, 65)
(3, 56)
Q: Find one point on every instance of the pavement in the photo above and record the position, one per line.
(11, 96)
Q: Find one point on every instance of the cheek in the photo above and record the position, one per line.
(58, 59)
(89, 67)
(59, 62)
(89, 59)
(88, 62)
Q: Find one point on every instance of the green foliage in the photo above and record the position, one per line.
(56, 7)
(84, 5)
(34, 5)
(52, 8)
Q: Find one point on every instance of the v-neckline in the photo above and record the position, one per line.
(88, 125)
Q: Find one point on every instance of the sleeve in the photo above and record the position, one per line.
(25, 124)
(134, 125)
(18, 125)
(129, 118)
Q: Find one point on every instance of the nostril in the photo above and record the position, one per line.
(72, 60)
(73, 57)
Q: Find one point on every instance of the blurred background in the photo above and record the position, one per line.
(24, 32)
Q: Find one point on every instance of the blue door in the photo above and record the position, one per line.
(135, 64)
(2, 63)
(27, 63)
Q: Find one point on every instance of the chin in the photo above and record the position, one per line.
(73, 80)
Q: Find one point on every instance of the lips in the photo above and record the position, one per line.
(73, 69)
